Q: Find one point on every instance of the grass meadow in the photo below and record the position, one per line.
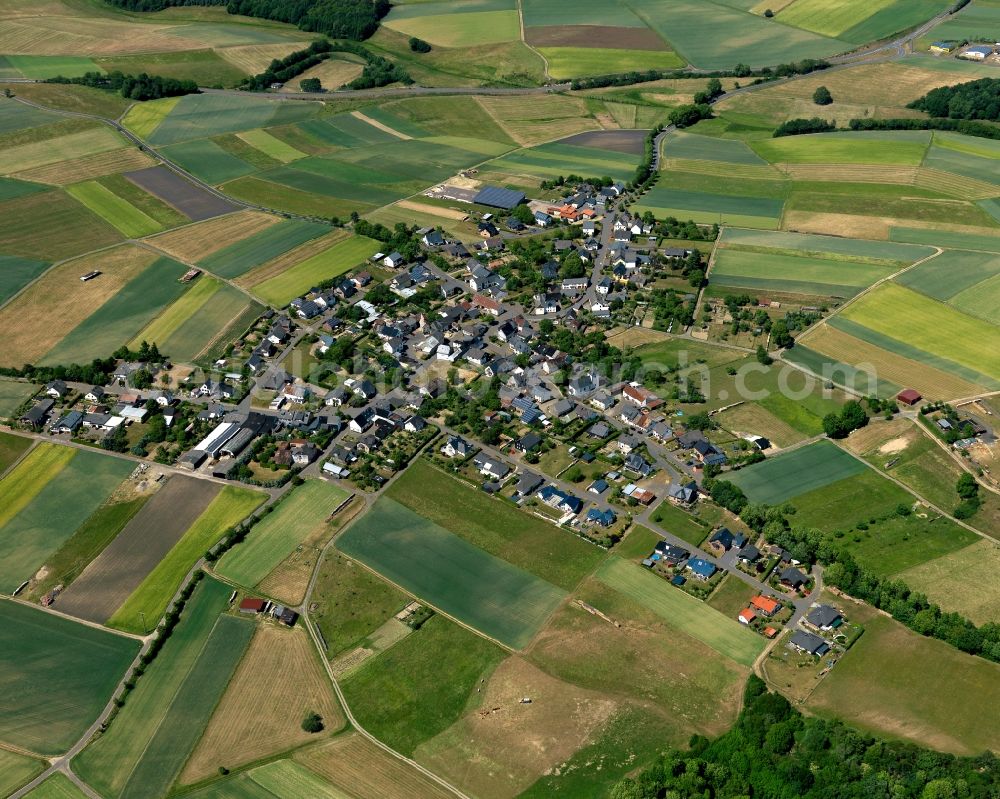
(277, 535)
(58, 675)
(129, 220)
(13, 394)
(499, 599)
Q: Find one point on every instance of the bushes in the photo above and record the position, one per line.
(822, 96)
(685, 116)
(967, 126)
(419, 45)
(798, 127)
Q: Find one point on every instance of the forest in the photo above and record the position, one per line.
(774, 752)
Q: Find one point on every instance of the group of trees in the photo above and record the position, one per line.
(418, 45)
(851, 417)
(968, 492)
(977, 99)
(684, 116)
(797, 127)
(773, 751)
(132, 87)
(284, 69)
(804, 67)
(378, 71)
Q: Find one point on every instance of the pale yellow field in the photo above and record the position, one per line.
(353, 763)
(89, 167)
(751, 418)
(721, 168)
(291, 258)
(963, 582)
(533, 120)
(76, 145)
(433, 210)
(278, 682)
(255, 58)
(931, 382)
(501, 747)
(849, 225)
(332, 73)
(39, 318)
(193, 242)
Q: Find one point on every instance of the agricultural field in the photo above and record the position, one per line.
(739, 210)
(13, 394)
(466, 25)
(967, 281)
(548, 161)
(16, 770)
(912, 706)
(902, 148)
(692, 616)
(503, 601)
(573, 62)
(107, 763)
(811, 265)
(242, 256)
(58, 786)
(422, 685)
(784, 477)
(495, 527)
(856, 21)
(121, 568)
(283, 778)
(277, 683)
(12, 448)
(193, 243)
(341, 257)
(277, 535)
(129, 220)
(47, 496)
(59, 676)
(961, 581)
(150, 599)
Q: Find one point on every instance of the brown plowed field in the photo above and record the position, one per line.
(109, 580)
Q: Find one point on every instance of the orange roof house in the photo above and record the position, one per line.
(765, 604)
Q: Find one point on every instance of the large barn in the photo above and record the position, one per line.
(496, 197)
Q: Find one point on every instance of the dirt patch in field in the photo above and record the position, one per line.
(848, 225)
(353, 763)
(277, 683)
(434, 210)
(603, 36)
(380, 125)
(513, 743)
(191, 200)
(631, 142)
(109, 580)
(194, 242)
(878, 433)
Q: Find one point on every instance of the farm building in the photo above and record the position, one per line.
(253, 606)
(496, 197)
(978, 53)
(909, 396)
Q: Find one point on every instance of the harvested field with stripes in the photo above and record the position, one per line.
(193, 243)
(51, 226)
(278, 682)
(20, 158)
(89, 167)
(112, 577)
(533, 120)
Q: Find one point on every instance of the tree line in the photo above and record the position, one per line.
(132, 87)
(378, 71)
(774, 752)
(803, 67)
(342, 19)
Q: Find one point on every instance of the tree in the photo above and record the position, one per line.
(763, 357)
(967, 486)
(685, 116)
(833, 426)
(312, 723)
(419, 45)
(311, 85)
(780, 336)
(822, 96)
(768, 13)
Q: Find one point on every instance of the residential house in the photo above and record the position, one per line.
(701, 568)
(433, 238)
(456, 447)
(640, 396)
(394, 260)
(792, 578)
(526, 484)
(765, 605)
(491, 467)
(683, 493)
(824, 617)
(670, 554)
(809, 643)
(560, 500)
(605, 517)
(528, 442)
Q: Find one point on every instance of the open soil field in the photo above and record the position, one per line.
(120, 569)
(191, 200)
(277, 535)
(45, 313)
(805, 469)
(422, 685)
(277, 683)
(883, 684)
(149, 601)
(695, 618)
(58, 676)
(59, 506)
(108, 762)
(501, 600)
(188, 712)
(354, 764)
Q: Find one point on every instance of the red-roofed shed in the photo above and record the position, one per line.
(909, 396)
(250, 605)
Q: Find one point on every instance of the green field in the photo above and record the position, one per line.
(680, 523)
(241, 257)
(946, 238)
(419, 687)
(12, 394)
(16, 273)
(502, 600)
(11, 448)
(206, 160)
(573, 62)
(865, 383)
(550, 160)
(51, 226)
(338, 259)
(449, 29)
(41, 67)
(179, 312)
(58, 676)
(128, 219)
(59, 506)
(681, 610)
(911, 705)
(910, 321)
(783, 477)
(732, 209)
(198, 116)
(968, 281)
(833, 247)
(149, 601)
(271, 146)
(143, 118)
(277, 535)
(17, 770)
(857, 21)
(58, 786)
(109, 761)
(496, 527)
(706, 148)
(11, 189)
(121, 317)
(892, 147)
(282, 778)
(794, 274)
(189, 710)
